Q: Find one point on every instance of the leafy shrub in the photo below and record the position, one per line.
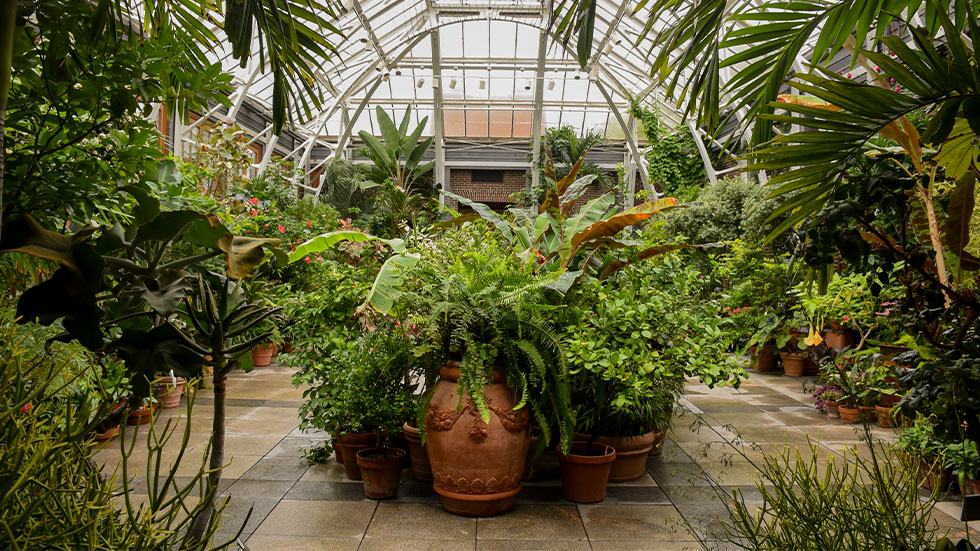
(674, 163)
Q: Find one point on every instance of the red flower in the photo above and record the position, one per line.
(26, 408)
(307, 260)
(254, 213)
(282, 229)
(310, 224)
(254, 201)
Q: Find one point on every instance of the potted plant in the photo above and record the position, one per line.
(792, 340)
(362, 392)
(828, 398)
(167, 390)
(924, 452)
(478, 305)
(963, 461)
(763, 344)
(585, 469)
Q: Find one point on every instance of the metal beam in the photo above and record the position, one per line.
(612, 27)
(630, 138)
(345, 135)
(366, 24)
(438, 120)
(537, 123)
(703, 151)
(243, 91)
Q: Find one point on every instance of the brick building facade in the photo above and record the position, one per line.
(495, 187)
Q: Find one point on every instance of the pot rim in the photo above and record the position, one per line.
(400, 455)
(607, 457)
(452, 371)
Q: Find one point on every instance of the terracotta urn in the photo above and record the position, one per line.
(476, 466)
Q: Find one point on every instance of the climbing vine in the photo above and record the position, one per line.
(673, 161)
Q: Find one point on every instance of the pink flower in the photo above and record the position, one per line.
(847, 318)
(282, 229)
(254, 213)
(26, 408)
(319, 258)
(310, 224)
(307, 260)
(254, 201)
(265, 225)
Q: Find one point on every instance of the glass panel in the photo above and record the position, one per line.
(455, 121)
(501, 121)
(522, 123)
(476, 123)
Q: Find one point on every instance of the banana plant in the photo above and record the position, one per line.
(398, 157)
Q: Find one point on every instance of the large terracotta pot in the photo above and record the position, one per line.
(839, 338)
(381, 469)
(794, 365)
(419, 453)
(631, 455)
(141, 416)
(935, 477)
(476, 467)
(584, 476)
(764, 360)
(885, 418)
(849, 414)
(353, 443)
(262, 355)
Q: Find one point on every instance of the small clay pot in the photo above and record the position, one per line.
(868, 413)
(262, 355)
(658, 441)
(885, 419)
(584, 476)
(168, 395)
(970, 487)
(109, 434)
(631, 455)
(833, 409)
(794, 365)
(142, 415)
(353, 443)
(421, 467)
(381, 469)
(764, 360)
(935, 477)
(287, 346)
(849, 414)
(839, 339)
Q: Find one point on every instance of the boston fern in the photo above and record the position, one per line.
(483, 309)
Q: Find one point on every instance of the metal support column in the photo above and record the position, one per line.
(537, 124)
(629, 134)
(705, 158)
(438, 121)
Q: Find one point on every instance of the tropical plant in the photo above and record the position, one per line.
(346, 188)
(475, 302)
(220, 165)
(397, 156)
(673, 161)
(561, 148)
(963, 460)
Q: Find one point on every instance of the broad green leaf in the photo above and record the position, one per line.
(387, 285)
(325, 241)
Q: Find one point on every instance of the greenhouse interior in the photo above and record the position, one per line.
(490, 275)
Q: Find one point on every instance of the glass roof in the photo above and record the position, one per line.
(486, 69)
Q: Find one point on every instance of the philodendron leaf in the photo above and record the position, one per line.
(244, 253)
(387, 284)
(166, 226)
(25, 235)
(166, 291)
(961, 204)
(325, 241)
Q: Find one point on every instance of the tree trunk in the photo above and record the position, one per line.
(217, 459)
(8, 12)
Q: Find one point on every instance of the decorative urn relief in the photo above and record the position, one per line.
(476, 466)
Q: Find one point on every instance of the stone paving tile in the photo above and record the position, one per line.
(646, 546)
(632, 523)
(250, 489)
(278, 468)
(291, 543)
(327, 491)
(378, 544)
(419, 521)
(250, 511)
(533, 522)
(330, 471)
(333, 519)
(532, 545)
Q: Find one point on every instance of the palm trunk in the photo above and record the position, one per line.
(217, 459)
(8, 12)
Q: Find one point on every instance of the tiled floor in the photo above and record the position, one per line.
(298, 507)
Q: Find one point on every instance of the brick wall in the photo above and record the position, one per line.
(461, 183)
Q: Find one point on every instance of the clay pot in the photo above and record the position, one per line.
(353, 443)
(287, 346)
(970, 487)
(584, 476)
(631, 455)
(890, 400)
(339, 452)
(849, 414)
(262, 355)
(868, 413)
(764, 361)
(419, 453)
(109, 434)
(885, 419)
(794, 365)
(833, 409)
(658, 442)
(142, 415)
(935, 477)
(839, 339)
(476, 467)
(889, 350)
(381, 469)
(168, 395)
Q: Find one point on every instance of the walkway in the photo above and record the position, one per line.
(299, 507)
